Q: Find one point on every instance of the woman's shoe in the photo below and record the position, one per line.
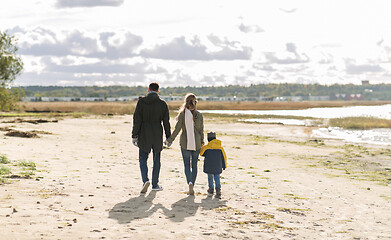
(145, 187)
(210, 191)
(218, 193)
(191, 188)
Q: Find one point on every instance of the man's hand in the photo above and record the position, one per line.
(167, 143)
(135, 141)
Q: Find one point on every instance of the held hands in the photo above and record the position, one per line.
(135, 141)
(167, 143)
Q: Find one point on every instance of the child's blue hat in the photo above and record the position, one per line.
(211, 135)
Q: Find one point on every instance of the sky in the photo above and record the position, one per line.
(200, 43)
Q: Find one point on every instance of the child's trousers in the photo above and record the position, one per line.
(216, 178)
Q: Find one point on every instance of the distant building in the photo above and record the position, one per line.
(365, 82)
(339, 96)
(173, 98)
(122, 99)
(319, 98)
(355, 97)
(63, 99)
(32, 99)
(347, 97)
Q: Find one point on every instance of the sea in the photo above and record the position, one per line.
(380, 136)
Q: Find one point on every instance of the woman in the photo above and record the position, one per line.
(191, 122)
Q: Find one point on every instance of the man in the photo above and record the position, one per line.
(147, 133)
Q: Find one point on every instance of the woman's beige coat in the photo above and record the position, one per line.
(198, 130)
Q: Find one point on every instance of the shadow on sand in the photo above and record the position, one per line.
(187, 207)
(134, 208)
(143, 207)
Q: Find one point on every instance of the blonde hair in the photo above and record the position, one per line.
(190, 102)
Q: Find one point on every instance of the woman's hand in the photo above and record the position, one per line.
(167, 143)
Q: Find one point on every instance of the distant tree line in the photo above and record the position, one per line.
(370, 92)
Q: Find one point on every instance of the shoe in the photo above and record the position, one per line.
(210, 191)
(157, 188)
(191, 188)
(218, 193)
(145, 187)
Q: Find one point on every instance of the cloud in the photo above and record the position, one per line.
(380, 42)
(14, 30)
(43, 42)
(290, 47)
(295, 68)
(277, 76)
(179, 78)
(111, 45)
(71, 79)
(88, 3)
(384, 45)
(101, 67)
(250, 28)
(180, 49)
(292, 10)
(84, 58)
(352, 68)
(67, 72)
(117, 48)
(291, 56)
(264, 67)
(75, 43)
(326, 58)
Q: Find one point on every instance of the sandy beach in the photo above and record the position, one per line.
(280, 184)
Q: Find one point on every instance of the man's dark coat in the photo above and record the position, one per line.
(150, 112)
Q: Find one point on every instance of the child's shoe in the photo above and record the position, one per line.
(210, 191)
(218, 193)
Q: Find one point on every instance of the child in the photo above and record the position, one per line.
(215, 161)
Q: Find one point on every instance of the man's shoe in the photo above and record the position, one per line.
(145, 187)
(157, 188)
(191, 188)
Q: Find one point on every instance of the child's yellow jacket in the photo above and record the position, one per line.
(215, 157)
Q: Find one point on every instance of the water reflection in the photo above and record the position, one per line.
(280, 121)
(382, 111)
(373, 136)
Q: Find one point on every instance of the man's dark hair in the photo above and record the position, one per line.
(154, 86)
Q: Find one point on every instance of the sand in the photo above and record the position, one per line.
(87, 186)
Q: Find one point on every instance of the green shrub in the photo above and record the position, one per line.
(4, 159)
(4, 170)
(29, 165)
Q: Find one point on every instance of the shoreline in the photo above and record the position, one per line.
(128, 107)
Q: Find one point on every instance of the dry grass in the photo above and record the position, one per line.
(360, 123)
(79, 107)
(128, 107)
